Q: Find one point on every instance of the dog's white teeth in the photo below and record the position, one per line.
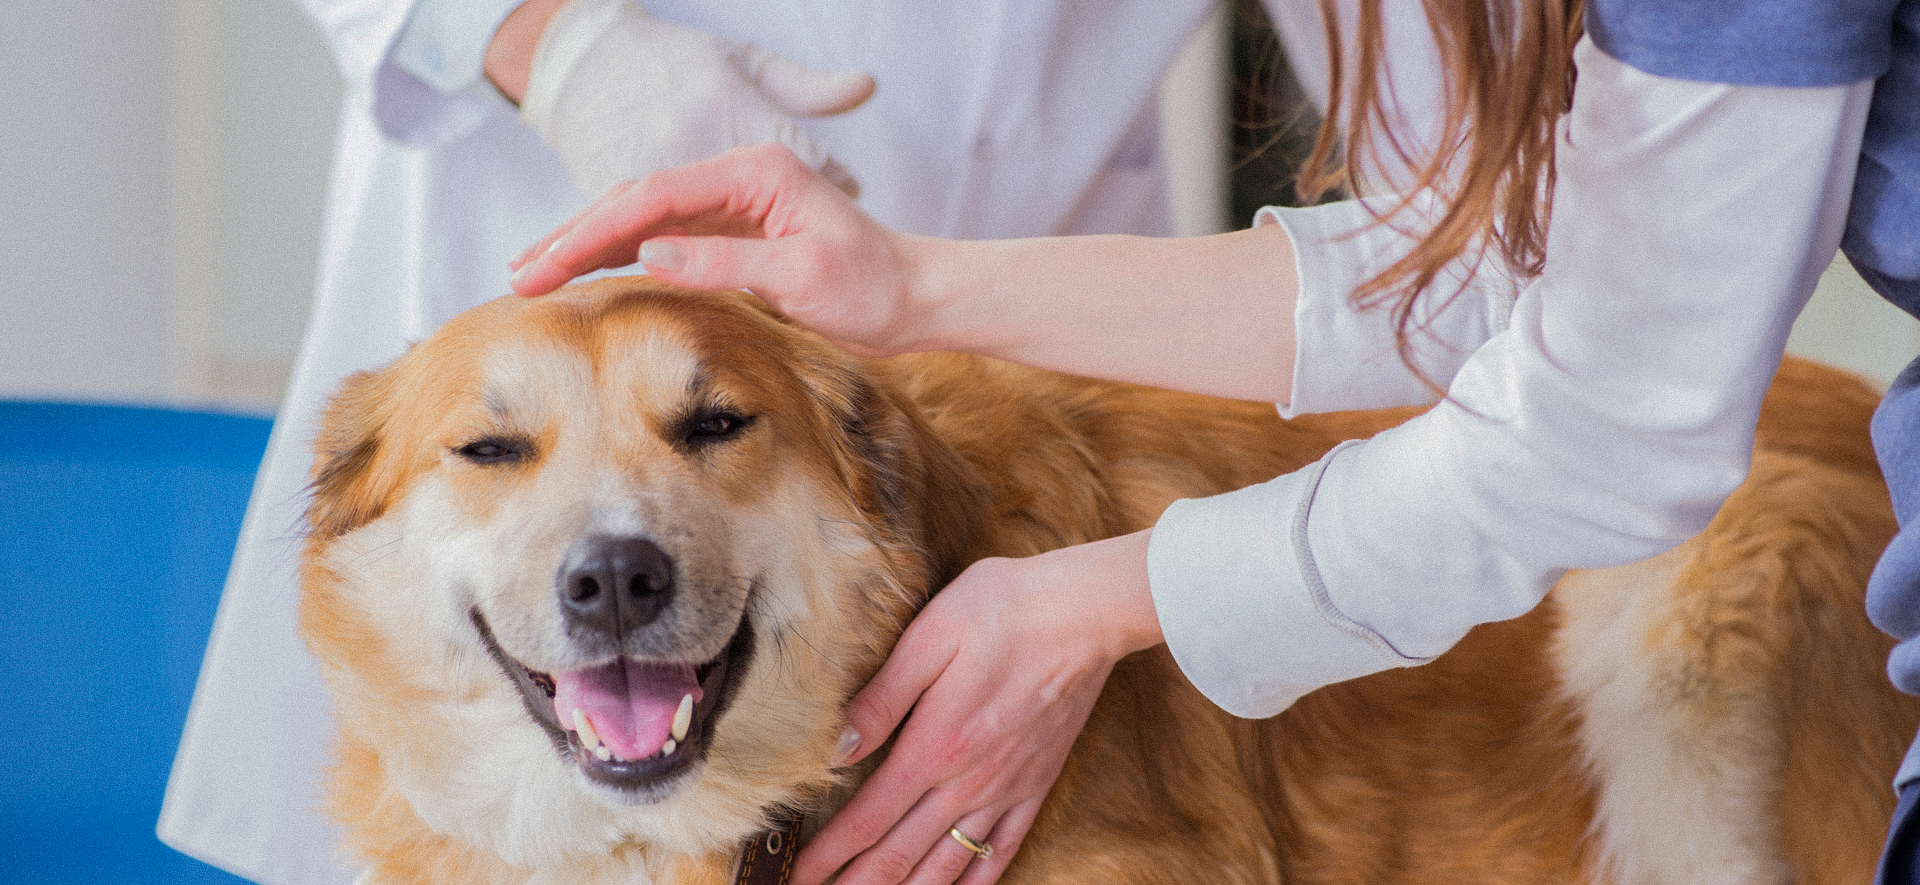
(682, 719)
(590, 739)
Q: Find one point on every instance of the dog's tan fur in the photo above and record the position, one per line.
(1716, 714)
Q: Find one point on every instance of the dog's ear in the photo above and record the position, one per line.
(916, 485)
(936, 490)
(350, 483)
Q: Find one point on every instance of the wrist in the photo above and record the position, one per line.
(961, 300)
(1113, 573)
(509, 59)
(931, 305)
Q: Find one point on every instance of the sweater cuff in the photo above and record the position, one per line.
(1347, 357)
(1241, 602)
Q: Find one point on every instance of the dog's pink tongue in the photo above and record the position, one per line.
(630, 704)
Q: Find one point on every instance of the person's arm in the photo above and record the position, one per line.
(509, 57)
(613, 90)
(618, 93)
(1213, 315)
(1606, 424)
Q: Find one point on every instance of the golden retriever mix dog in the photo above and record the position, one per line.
(591, 577)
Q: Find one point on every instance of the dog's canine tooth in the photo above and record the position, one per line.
(682, 719)
(588, 737)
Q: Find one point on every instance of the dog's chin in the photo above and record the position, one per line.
(650, 779)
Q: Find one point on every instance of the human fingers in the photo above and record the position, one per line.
(553, 237)
(735, 193)
(888, 795)
(801, 90)
(772, 268)
(922, 653)
(921, 849)
(1006, 837)
(970, 749)
(952, 856)
(841, 178)
(991, 731)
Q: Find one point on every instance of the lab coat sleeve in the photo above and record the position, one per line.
(419, 62)
(1605, 424)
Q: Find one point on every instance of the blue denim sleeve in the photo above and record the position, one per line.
(1747, 42)
(1883, 224)
(1893, 591)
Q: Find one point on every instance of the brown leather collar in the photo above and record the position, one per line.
(768, 859)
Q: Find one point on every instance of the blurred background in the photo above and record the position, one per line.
(165, 164)
(162, 176)
(161, 184)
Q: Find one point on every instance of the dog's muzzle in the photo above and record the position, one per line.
(631, 722)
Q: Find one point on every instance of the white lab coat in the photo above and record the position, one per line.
(993, 118)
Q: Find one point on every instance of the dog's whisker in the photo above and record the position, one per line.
(762, 604)
(377, 552)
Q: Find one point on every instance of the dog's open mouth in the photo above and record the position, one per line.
(628, 724)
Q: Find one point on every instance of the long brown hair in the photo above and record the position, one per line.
(1508, 70)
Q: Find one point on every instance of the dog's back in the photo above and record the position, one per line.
(1716, 714)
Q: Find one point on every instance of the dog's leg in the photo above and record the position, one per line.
(1672, 680)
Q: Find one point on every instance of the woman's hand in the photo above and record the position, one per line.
(1207, 314)
(994, 680)
(753, 218)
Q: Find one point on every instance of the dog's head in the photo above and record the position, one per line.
(604, 566)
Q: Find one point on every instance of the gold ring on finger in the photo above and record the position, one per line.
(980, 849)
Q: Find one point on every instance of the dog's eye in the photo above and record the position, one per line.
(713, 427)
(491, 450)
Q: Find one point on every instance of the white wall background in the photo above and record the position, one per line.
(163, 168)
(162, 171)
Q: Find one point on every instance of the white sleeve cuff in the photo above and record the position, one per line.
(1347, 358)
(1241, 602)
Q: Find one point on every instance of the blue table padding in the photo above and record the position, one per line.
(116, 528)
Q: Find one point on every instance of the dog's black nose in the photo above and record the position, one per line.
(614, 586)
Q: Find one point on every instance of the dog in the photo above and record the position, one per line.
(591, 577)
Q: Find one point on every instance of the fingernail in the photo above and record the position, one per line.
(655, 255)
(849, 742)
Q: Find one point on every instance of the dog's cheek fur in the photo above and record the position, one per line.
(424, 703)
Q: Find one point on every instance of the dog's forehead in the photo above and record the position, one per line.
(651, 367)
(656, 354)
